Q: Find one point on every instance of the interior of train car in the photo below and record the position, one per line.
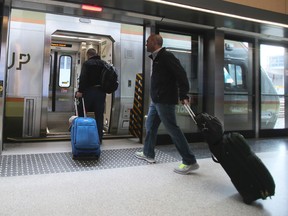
(237, 74)
(68, 51)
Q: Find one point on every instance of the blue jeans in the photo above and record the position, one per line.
(165, 113)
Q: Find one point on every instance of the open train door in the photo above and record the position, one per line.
(68, 53)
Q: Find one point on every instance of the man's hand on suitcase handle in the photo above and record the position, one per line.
(185, 101)
(78, 94)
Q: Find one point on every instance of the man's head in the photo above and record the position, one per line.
(154, 42)
(91, 52)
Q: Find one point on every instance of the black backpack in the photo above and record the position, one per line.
(109, 79)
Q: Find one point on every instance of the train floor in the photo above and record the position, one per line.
(40, 178)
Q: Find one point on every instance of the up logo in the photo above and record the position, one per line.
(23, 59)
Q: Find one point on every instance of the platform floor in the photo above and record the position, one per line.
(42, 179)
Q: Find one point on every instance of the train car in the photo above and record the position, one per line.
(46, 52)
(45, 55)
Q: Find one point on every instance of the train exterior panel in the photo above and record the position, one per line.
(25, 71)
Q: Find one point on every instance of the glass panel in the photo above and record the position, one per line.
(272, 87)
(65, 71)
(237, 86)
(181, 46)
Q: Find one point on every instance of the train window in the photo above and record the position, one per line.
(65, 70)
(234, 78)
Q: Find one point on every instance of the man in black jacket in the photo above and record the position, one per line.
(90, 89)
(168, 83)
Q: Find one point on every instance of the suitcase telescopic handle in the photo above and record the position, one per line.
(191, 113)
(76, 107)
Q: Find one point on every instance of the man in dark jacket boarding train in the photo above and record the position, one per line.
(90, 88)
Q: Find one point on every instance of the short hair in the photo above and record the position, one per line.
(91, 52)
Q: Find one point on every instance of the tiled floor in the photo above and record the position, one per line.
(47, 163)
(41, 178)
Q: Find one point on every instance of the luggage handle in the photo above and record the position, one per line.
(76, 107)
(191, 113)
(214, 159)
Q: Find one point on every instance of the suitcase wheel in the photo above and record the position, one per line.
(83, 158)
(248, 201)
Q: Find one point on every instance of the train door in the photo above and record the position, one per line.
(61, 90)
(66, 59)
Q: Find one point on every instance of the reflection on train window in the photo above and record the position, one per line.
(238, 95)
(65, 70)
(234, 78)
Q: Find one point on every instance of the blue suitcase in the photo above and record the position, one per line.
(84, 137)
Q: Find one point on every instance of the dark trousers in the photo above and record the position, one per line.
(94, 99)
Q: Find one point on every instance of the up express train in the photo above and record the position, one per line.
(46, 52)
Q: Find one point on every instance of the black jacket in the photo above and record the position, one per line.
(90, 73)
(169, 81)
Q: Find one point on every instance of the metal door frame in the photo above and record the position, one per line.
(3, 63)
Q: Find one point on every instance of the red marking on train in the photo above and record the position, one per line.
(92, 8)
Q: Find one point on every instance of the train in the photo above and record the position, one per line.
(238, 90)
(45, 55)
(46, 52)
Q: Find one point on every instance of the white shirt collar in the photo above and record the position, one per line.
(154, 54)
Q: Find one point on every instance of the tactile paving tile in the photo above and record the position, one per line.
(35, 164)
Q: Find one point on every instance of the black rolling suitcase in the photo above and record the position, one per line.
(247, 172)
